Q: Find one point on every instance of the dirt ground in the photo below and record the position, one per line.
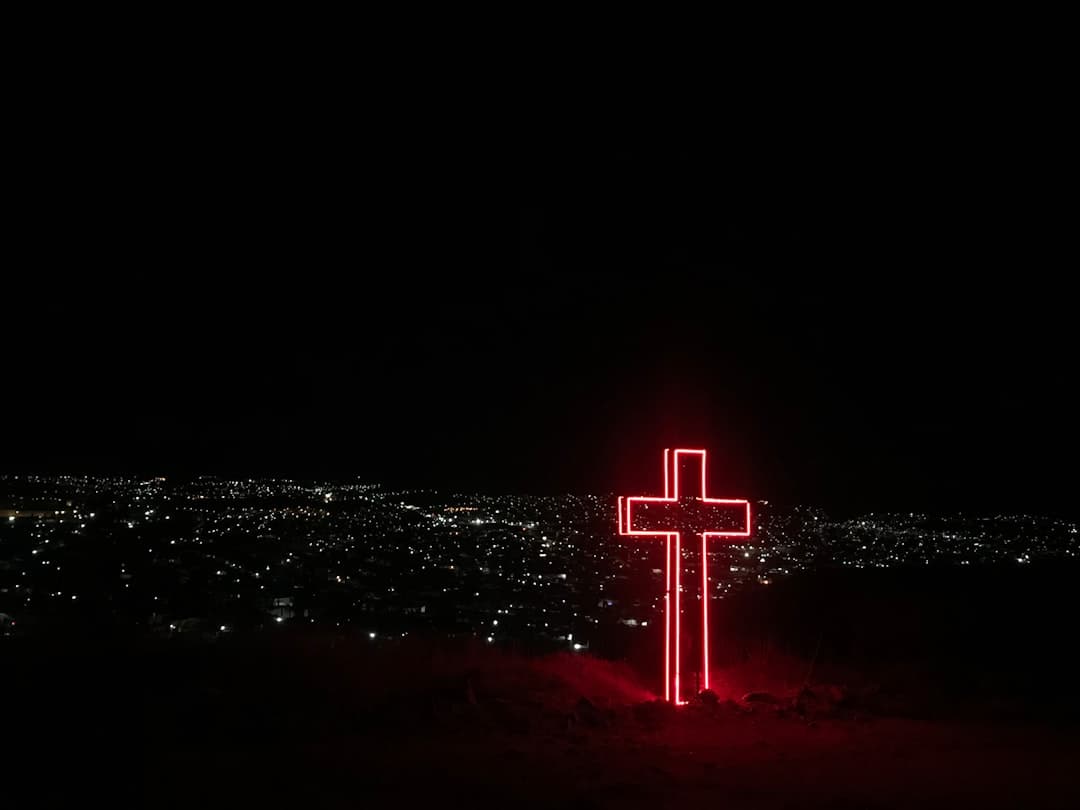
(313, 725)
(697, 759)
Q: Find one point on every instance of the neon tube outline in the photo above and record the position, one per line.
(625, 523)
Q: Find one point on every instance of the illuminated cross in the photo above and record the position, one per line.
(684, 509)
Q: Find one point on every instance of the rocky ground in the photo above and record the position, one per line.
(328, 724)
(505, 754)
(570, 731)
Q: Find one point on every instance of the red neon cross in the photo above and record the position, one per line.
(683, 510)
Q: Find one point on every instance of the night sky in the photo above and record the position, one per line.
(859, 329)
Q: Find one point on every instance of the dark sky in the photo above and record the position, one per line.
(882, 325)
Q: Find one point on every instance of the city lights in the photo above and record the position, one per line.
(544, 570)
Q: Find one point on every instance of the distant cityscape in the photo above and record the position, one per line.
(203, 558)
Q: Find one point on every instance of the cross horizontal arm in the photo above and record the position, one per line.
(714, 517)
